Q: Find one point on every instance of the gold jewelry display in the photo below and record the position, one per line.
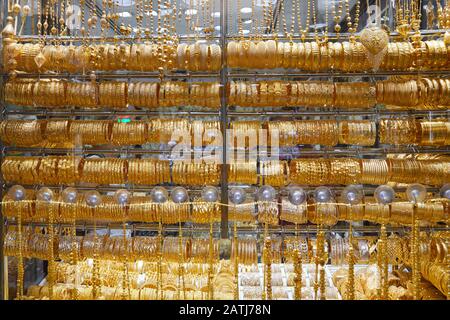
(113, 99)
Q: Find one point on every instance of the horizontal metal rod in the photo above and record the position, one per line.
(143, 39)
(115, 75)
(331, 74)
(289, 73)
(295, 112)
(80, 151)
(367, 189)
(108, 113)
(250, 189)
(255, 229)
(111, 188)
(194, 37)
(336, 112)
(331, 35)
(299, 152)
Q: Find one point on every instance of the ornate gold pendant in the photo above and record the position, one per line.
(374, 39)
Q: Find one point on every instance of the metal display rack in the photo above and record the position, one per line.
(225, 115)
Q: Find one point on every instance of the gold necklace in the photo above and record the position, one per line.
(316, 36)
(139, 18)
(296, 11)
(337, 17)
(356, 20)
(283, 16)
(259, 25)
(62, 26)
(254, 22)
(103, 20)
(159, 42)
(151, 23)
(239, 18)
(403, 26)
(305, 30)
(416, 15)
(352, 26)
(325, 37)
(271, 20)
(265, 21)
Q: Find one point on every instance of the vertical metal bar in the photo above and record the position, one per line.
(3, 260)
(224, 120)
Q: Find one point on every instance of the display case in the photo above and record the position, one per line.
(243, 149)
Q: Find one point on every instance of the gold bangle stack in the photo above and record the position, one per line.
(244, 212)
(172, 94)
(20, 92)
(423, 93)
(195, 173)
(112, 95)
(268, 213)
(434, 133)
(374, 171)
(400, 92)
(354, 95)
(437, 274)
(398, 131)
(205, 212)
(323, 214)
(10, 208)
(339, 248)
(301, 93)
(148, 171)
(144, 94)
(356, 213)
(243, 172)
(49, 93)
(21, 133)
(27, 54)
(165, 130)
(141, 208)
(247, 251)
(359, 133)
(55, 133)
(50, 170)
(111, 57)
(206, 133)
(324, 171)
(200, 250)
(129, 133)
(273, 172)
(171, 212)
(344, 56)
(323, 132)
(81, 94)
(245, 133)
(291, 133)
(23, 169)
(117, 95)
(89, 132)
(201, 94)
(103, 171)
(350, 171)
(270, 54)
(293, 213)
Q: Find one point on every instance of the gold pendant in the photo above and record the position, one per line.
(40, 60)
(374, 39)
